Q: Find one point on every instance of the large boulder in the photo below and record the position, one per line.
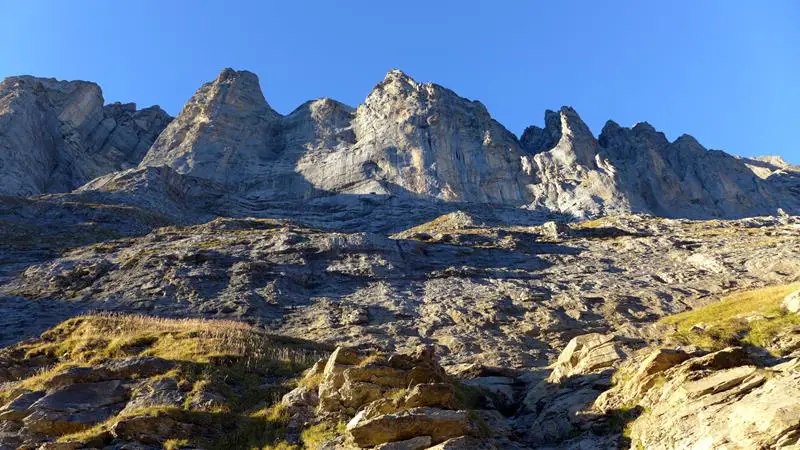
(350, 381)
(75, 407)
(397, 401)
(439, 424)
(585, 354)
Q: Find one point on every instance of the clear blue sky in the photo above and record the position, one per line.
(725, 71)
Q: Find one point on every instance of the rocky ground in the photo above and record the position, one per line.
(406, 274)
(500, 296)
(518, 328)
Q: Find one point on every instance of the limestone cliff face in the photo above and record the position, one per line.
(682, 178)
(638, 169)
(224, 133)
(56, 135)
(408, 140)
(425, 140)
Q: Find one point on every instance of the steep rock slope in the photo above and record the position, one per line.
(638, 169)
(426, 140)
(407, 138)
(56, 135)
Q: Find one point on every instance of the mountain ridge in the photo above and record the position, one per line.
(422, 141)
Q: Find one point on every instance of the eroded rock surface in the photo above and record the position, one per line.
(719, 400)
(57, 135)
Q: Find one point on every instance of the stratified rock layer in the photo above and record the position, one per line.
(423, 141)
(57, 135)
(413, 141)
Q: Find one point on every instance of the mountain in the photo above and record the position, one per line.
(637, 169)
(407, 138)
(57, 135)
(418, 142)
(403, 274)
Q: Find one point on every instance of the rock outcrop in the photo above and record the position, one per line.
(585, 354)
(550, 412)
(398, 401)
(57, 135)
(723, 399)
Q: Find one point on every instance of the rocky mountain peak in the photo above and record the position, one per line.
(56, 135)
(564, 123)
(235, 91)
(224, 133)
(424, 139)
(626, 143)
(397, 76)
(565, 135)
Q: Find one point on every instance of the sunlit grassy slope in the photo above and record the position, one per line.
(229, 358)
(751, 317)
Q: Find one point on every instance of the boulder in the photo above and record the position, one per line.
(439, 424)
(115, 369)
(19, 408)
(163, 392)
(440, 395)
(75, 407)
(585, 354)
(555, 231)
(350, 381)
(153, 430)
(333, 379)
(417, 443)
(791, 303)
(301, 396)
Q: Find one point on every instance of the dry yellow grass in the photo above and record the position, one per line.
(226, 357)
(752, 317)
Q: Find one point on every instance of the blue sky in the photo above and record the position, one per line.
(726, 71)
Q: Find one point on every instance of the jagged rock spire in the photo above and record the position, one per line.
(565, 134)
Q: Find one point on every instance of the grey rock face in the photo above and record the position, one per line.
(571, 177)
(407, 138)
(426, 140)
(637, 169)
(222, 134)
(56, 135)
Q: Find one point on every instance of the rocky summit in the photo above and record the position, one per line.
(404, 274)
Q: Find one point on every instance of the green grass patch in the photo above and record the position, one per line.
(752, 317)
(231, 360)
(315, 436)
